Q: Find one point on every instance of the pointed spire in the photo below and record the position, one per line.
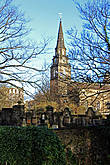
(60, 39)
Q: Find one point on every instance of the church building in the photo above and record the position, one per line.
(60, 70)
(63, 90)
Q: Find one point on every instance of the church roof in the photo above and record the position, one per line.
(60, 39)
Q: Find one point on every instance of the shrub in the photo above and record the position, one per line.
(30, 146)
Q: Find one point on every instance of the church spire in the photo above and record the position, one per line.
(60, 39)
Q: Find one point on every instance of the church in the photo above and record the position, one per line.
(78, 103)
(66, 92)
(60, 71)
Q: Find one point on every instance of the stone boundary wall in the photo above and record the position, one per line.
(89, 145)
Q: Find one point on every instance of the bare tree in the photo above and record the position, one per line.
(89, 52)
(90, 49)
(17, 53)
(43, 92)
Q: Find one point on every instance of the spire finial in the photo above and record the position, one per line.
(60, 16)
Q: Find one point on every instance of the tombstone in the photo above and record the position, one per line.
(38, 115)
(66, 117)
(43, 119)
(0, 118)
(49, 114)
(55, 119)
(34, 119)
(90, 113)
(24, 122)
(6, 115)
(58, 119)
(29, 118)
(18, 114)
(66, 120)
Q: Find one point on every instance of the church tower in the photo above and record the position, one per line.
(60, 69)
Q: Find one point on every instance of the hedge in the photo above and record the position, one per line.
(30, 146)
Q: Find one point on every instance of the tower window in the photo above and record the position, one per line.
(64, 71)
(64, 60)
(10, 91)
(17, 91)
(54, 73)
(13, 91)
(55, 60)
(63, 52)
(108, 105)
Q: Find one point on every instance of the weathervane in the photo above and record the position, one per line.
(60, 15)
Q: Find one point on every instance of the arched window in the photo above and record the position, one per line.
(64, 71)
(98, 105)
(55, 60)
(55, 72)
(13, 91)
(63, 52)
(9, 91)
(108, 105)
(17, 91)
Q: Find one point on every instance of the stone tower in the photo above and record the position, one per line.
(60, 70)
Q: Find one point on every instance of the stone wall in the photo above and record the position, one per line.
(89, 146)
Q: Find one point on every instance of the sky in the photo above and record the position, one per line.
(44, 21)
(44, 18)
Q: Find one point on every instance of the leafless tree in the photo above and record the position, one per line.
(44, 88)
(90, 50)
(17, 52)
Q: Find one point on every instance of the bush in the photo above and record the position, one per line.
(30, 146)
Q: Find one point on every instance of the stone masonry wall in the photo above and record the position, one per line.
(90, 146)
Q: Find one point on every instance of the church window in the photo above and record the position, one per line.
(17, 91)
(64, 60)
(98, 105)
(108, 105)
(54, 73)
(63, 52)
(60, 74)
(14, 91)
(55, 60)
(64, 71)
(86, 104)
